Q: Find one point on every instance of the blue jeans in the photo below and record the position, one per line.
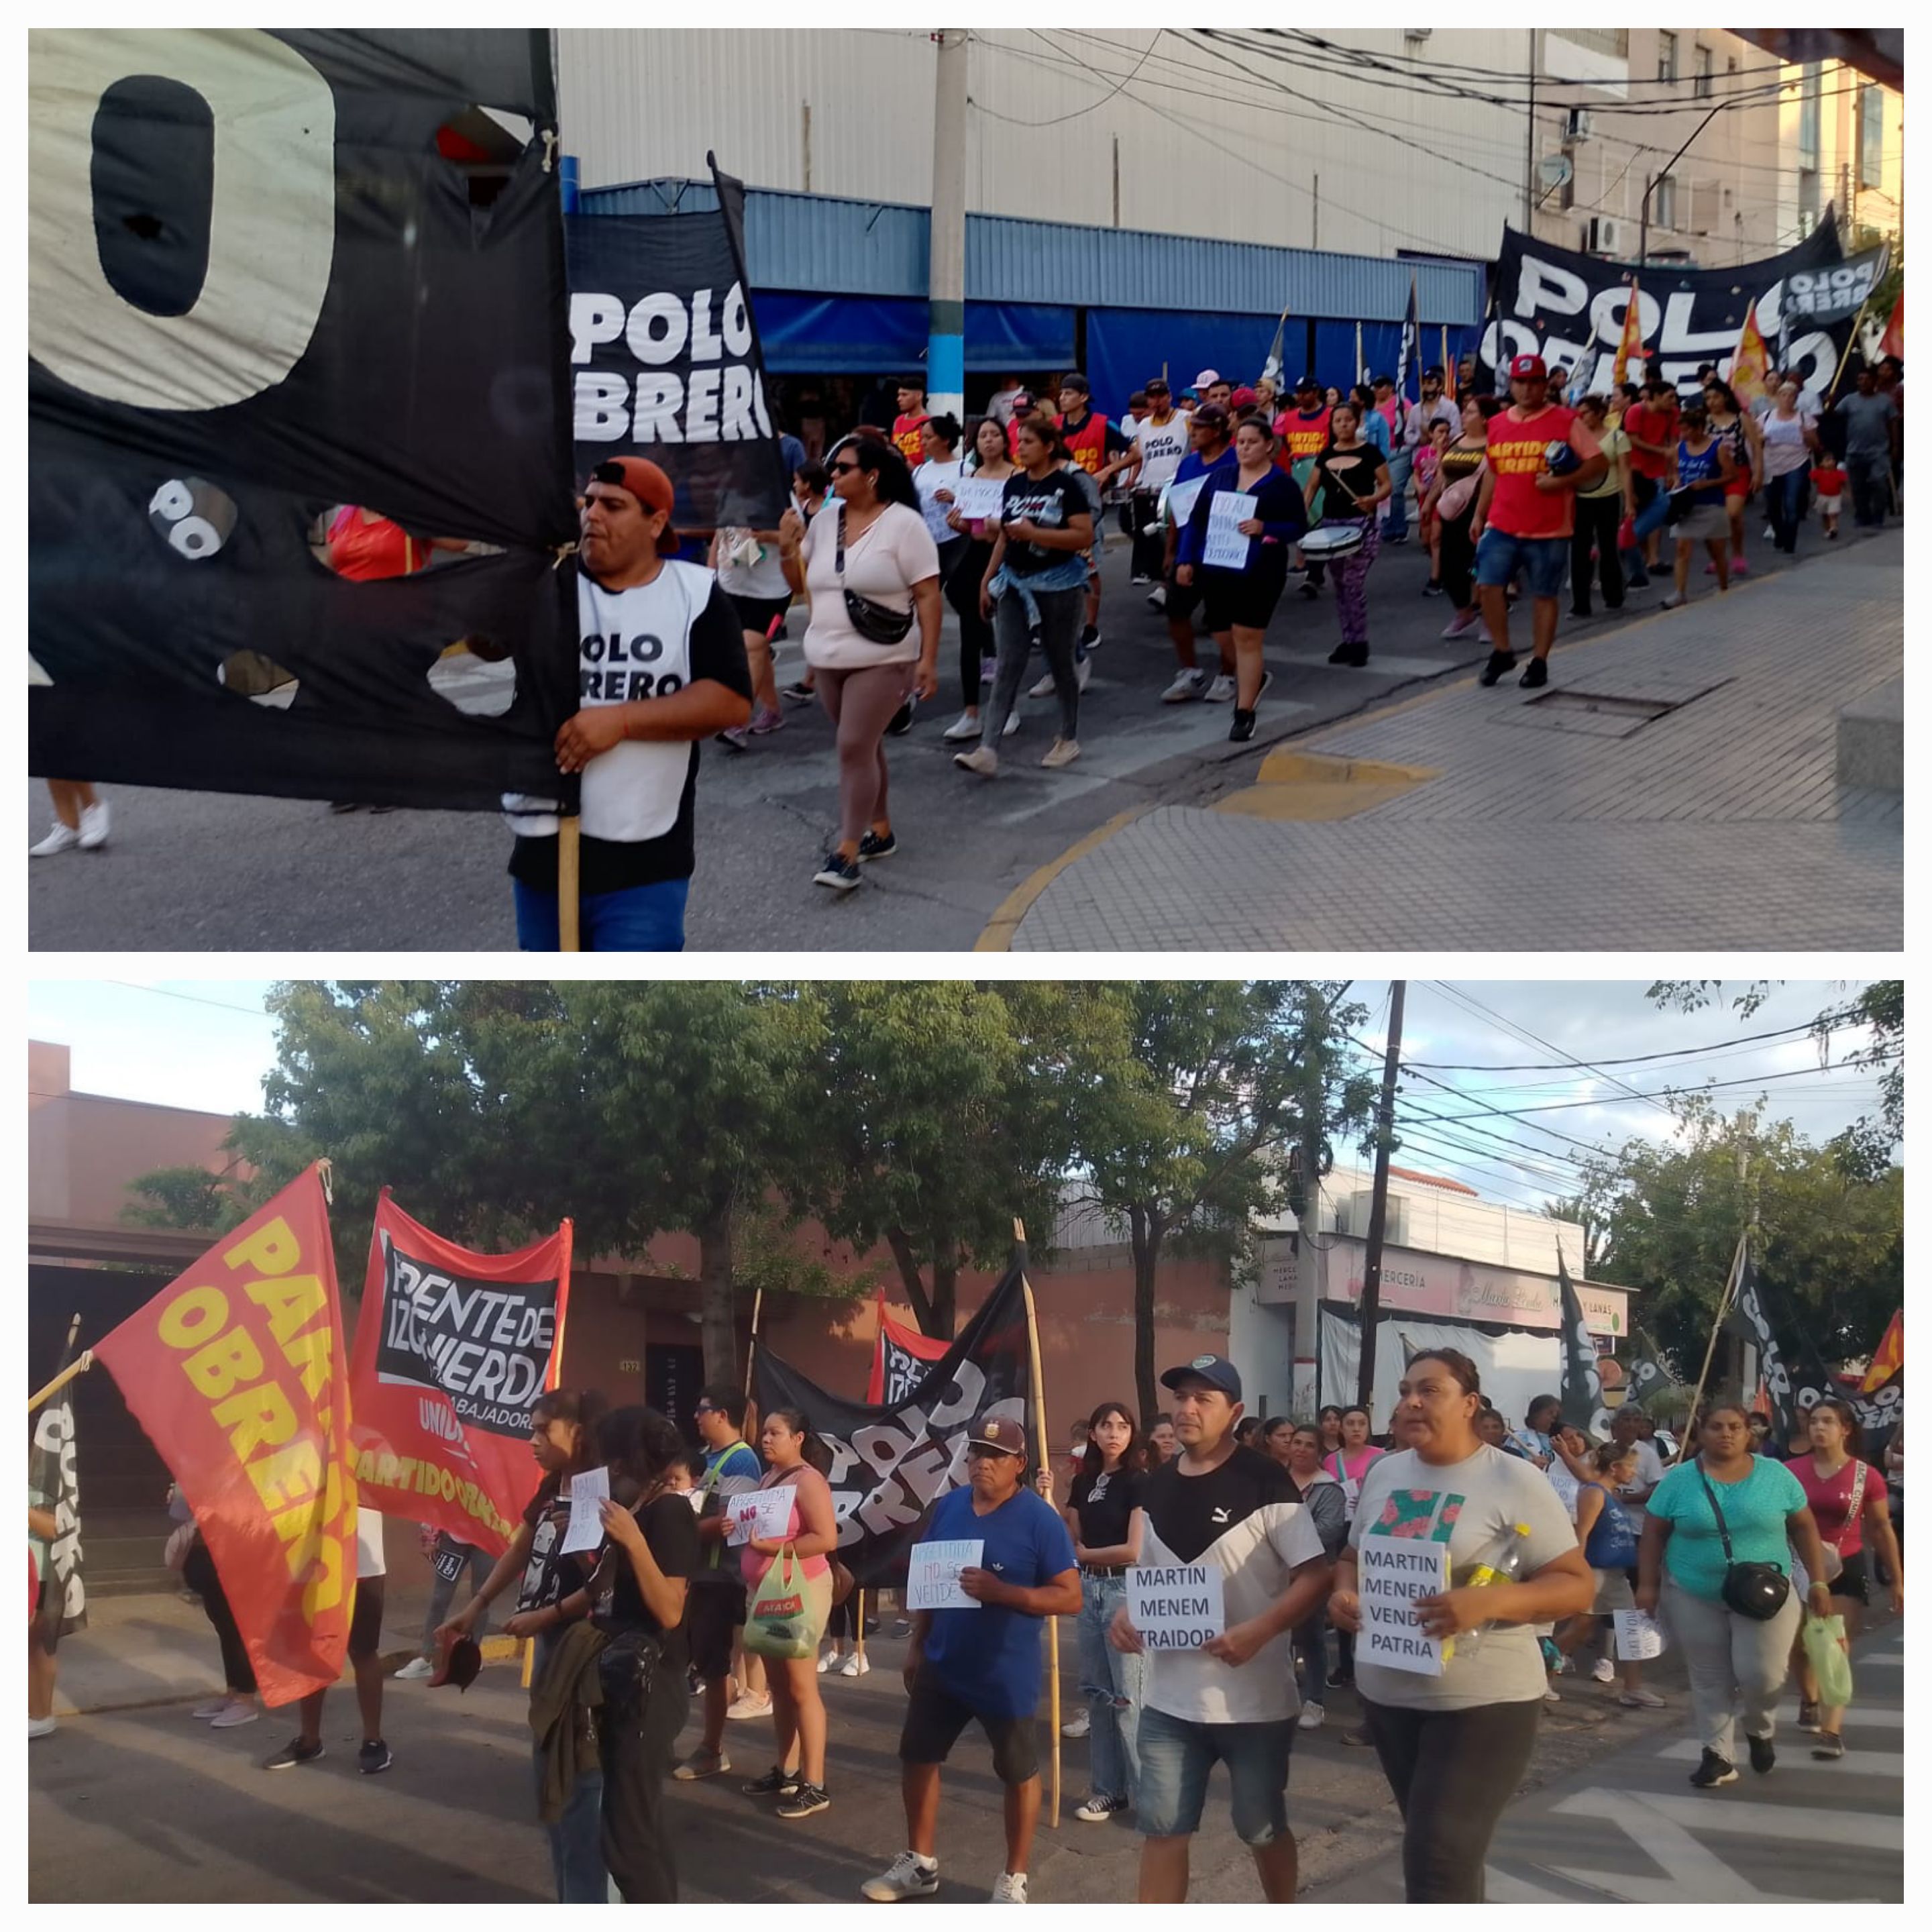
(1543, 561)
(640, 919)
(443, 1592)
(1311, 1656)
(576, 1851)
(1784, 499)
(1177, 1753)
(1401, 465)
(1110, 1680)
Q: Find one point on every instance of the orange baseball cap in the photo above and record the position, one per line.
(642, 478)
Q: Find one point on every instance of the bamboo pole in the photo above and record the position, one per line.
(568, 875)
(1711, 1348)
(81, 1363)
(1046, 1465)
(859, 1621)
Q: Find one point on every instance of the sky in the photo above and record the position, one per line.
(206, 1044)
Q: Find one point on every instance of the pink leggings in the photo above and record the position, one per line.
(860, 704)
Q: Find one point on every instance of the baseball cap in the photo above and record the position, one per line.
(1525, 367)
(998, 1432)
(1211, 413)
(1243, 398)
(1433, 373)
(1215, 1370)
(1308, 382)
(1206, 379)
(459, 1663)
(1157, 385)
(642, 478)
(1077, 381)
(1384, 377)
(1023, 399)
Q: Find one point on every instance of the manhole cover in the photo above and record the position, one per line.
(1592, 714)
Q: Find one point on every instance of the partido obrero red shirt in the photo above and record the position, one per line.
(1518, 456)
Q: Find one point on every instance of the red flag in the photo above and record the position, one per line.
(451, 1348)
(1630, 342)
(895, 1358)
(235, 1370)
(1751, 364)
(1892, 342)
(1888, 1358)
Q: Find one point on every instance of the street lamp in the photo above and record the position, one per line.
(1650, 184)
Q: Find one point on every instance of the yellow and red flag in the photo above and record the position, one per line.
(1750, 366)
(1888, 1357)
(1630, 344)
(1892, 342)
(236, 1370)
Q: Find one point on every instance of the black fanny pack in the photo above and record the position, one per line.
(877, 623)
(1753, 1590)
(626, 1667)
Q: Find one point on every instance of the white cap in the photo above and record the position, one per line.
(1206, 378)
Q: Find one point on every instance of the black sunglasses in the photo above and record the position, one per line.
(843, 469)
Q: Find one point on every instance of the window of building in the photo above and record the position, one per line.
(1871, 135)
(1809, 111)
(1666, 56)
(1614, 41)
(1663, 202)
(1701, 87)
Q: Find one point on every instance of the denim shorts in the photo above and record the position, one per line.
(1544, 561)
(1177, 1754)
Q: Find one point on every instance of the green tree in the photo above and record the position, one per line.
(1189, 1137)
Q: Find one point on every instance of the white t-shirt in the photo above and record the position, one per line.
(929, 477)
(764, 579)
(1649, 1473)
(1161, 446)
(892, 554)
(369, 1543)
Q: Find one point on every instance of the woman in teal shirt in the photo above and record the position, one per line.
(1737, 1664)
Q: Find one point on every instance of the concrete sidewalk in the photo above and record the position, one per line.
(1676, 786)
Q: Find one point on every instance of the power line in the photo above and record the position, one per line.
(1711, 1086)
(1630, 1059)
(1078, 112)
(197, 999)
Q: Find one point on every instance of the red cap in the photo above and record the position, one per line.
(1525, 367)
(642, 478)
(1243, 398)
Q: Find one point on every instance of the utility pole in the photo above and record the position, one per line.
(1663, 174)
(945, 274)
(1529, 144)
(1372, 1266)
(1748, 1366)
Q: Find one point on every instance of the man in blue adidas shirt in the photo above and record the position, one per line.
(983, 1662)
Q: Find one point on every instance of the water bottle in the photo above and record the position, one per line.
(1500, 1561)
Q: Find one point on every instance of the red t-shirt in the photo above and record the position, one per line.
(1517, 457)
(1305, 437)
(1831, 1500)
(367, 552)
(1658, 426)
(906, 438)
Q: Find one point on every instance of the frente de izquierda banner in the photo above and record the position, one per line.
(452, 1347)
(235, 1371)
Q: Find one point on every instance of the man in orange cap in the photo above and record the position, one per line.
(660, 665)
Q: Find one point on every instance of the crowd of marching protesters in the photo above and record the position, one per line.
(693, 1602)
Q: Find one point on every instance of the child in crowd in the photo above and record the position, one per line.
(1828, 480)
(1428, 456)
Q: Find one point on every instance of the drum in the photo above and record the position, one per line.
(1326, 545)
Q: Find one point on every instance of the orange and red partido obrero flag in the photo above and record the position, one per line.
(1751, 367)
(1630, 344)
(236, 1370)
(1887, 1358)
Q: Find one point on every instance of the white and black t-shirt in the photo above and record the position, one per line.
(1244, 1519)
(1052, 502)
(1161, 446)
(650, 641)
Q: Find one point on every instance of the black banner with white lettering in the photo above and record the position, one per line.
(1569, 309)
(273, 277)
(665, 362)
(891, 1463)
(54, 1487)
(1582, 1389)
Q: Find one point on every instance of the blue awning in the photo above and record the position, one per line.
(869, 335)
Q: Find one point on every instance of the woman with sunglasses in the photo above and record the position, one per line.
(872, 567)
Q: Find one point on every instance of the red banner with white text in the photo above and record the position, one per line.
(235, 1370)
(902, 1356)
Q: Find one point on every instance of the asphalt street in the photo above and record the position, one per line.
(199, 871)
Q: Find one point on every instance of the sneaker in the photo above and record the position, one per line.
(745, 1705)
(735, 739)
(1061, 752)
(1711, 568)
(40, 1727)
(1770, 534)
(206, 1714)
(1243, 727)
(800, 693)
(1674, 601)
(1099, 1808)
(908, 1875)
(857, 1665)
(1139, 577)
(417, 1667)
(1012, 725)
(373, 1756)
(964, 726)
(1340, 1679)
(873, 846)
(989, 670)
(1640, 581)
(1187, 685)
(1807, 1715)
(984, 760)
(802, 1800)
(1740, 567)
(1580, 617)
(1353, 655)
(1431, 588)
(1500, 665)
(1641, 1698)
(1551, 1695)
(1044, 688)
(764, 723)
(232, 1716)
(1714, 1771)
(293, 1752)
(901, 1628)
(1830, 536)
(1482, 636)
(841, 874)
(1830, 1746)
(94, 826)
(1010, 1888)
(1221, 691)
(700, 1764)
(776, 1781)
(1076, 1726)
(1313, 1716)
(1359, 1735)
(1090, 637)
(1536, 674)
(1157, 598)
(60, 838)
(827, 1661)
(1764, 1754)
(1603, 1671)
(1309, 589)
(1461, 624)
(901, 721)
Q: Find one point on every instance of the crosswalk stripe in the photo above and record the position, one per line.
(1506, 1888)
(1859, 1763)
(1877, 1718)
(1885, 1657)
(1864, 1831)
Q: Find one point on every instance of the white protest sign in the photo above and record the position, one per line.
(932, 1582)
(1638, 1636)
(585, 1530)
(1566, 1486)
(1226, 548)
(978, 496)
(1391, 1572)
(1181, 499)
(1176, 1606)
(764, 1513)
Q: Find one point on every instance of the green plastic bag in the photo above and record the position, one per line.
(779, 1621)
(1824, 1647)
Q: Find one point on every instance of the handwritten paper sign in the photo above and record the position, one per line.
(932, 1582)
(1176, 1606)
(978, 496)
(1181, 498)
(764, 1513)
(1226, 548)
(1391, 1572)
(585, 1530)
(1638, 1636)
(1566, 1486)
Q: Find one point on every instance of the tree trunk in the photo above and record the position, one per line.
(945, 1297)
(912, 1280)
(717, 1304)
(1147, 1229)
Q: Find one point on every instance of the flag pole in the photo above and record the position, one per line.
(1046, 1463)
(1731, 1281)
(567, 874)
(751, 1347)
(81, 1363)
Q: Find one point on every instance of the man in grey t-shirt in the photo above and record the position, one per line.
(1871, 442)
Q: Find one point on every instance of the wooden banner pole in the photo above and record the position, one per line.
(568, 939)
(1046, 1465)
(78, 1366)
(1736, 1276)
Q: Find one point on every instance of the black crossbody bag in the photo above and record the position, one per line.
(877, 623)
(1753, 1590)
